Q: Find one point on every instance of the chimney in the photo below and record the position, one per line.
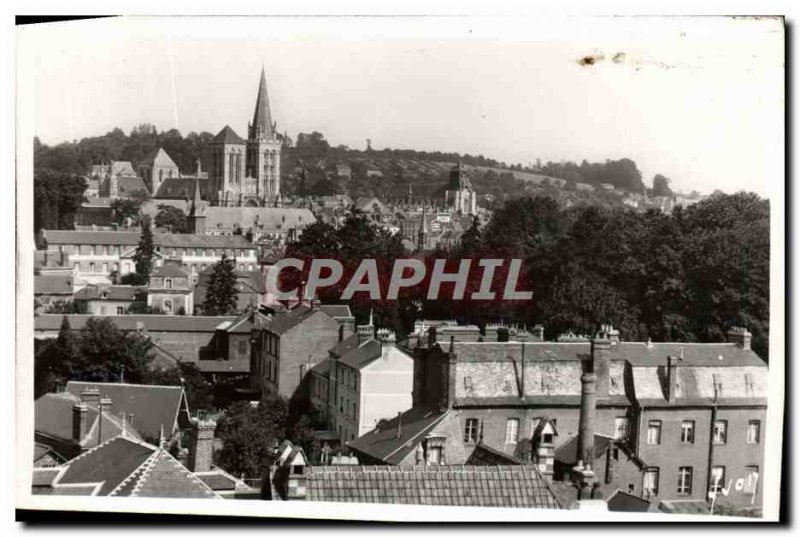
(315, 303)
(672, 378)
(600, 351)
(341, 333)
(741, 336)
(91, 396)
(431, 336)
(365, 333)
(587, 417)
(80, 422)
(538, 333)
(502, 334)
(201, 443)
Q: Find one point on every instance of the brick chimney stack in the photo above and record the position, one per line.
(201, 444)
(672, 378)
(80, 422)
(91, 396)
(600, 351)
(586, 419)
(741, 336)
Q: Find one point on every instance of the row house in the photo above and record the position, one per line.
(674, 421)
(367, 378)
(97, 255)
(287, 345)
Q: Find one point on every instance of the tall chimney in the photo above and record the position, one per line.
(600, 350)
(91, 396)
(741, 336)
(80, 422)
(672, 378)
(538, 333)
(587, 417)
(201, 444)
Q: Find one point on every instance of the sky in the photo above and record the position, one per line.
(700, 100)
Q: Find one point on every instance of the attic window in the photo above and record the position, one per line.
(297, 469)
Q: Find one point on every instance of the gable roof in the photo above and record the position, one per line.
(153, 407)
(170, 270)
(384, 444)
(484, 455)
(336, 310)
(285, 321)
(181, 188)
(227, 136)
(113, 292)
(495, 486)
(158, 157)
(362, 355)
(122, 466)
(567, 453)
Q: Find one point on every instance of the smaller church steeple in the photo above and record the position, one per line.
(197, 212)
(422, 235)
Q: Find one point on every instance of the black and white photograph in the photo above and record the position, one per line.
(406, 269)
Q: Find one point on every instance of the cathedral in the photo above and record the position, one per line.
(246, 173)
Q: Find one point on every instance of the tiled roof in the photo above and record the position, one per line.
(59, 284)
(739, 384)
(485, 486)
(170, 270)
(59, 236)
(152, 323)
(345, 346)
(217, 480)
(162, 476)
(383, 443)
(109, 464)
(113, 292)
(53, 419)
(153, 407)
(223, 366)
(622, 501)
(227, 136)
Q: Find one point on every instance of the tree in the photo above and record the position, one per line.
(661, 186)
(248, 435)
(221, 293)
(107, 354)
(56, 198)
(124, 210)
(198, 390)
(143, 256)
(172, 218)
(57, 361)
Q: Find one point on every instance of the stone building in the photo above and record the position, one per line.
(460, 196)
(246, 172)
(170, 289)
(156, 167)
(677, 416)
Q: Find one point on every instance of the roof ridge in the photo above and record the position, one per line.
(131, 476)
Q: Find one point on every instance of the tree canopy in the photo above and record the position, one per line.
(221, 292)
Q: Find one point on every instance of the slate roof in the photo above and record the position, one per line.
(484, 455)
(362, 355)
(58, 284)
(223, 366)
(181, 188)
(567, 453)
(158, 157)
(484, 486)
(131, 238)
(269, 218)
(126, 467)
(153, 407)
(228, 136)
(382, 442)
(170, 270)
(153, 323)
(283, 322)
(217, 480)
(114, 292)
(622, 501)
(345, 346)
(336, 310)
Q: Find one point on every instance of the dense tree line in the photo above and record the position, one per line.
(57, 196)
(685, 276)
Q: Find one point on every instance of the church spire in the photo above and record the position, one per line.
(262, 125)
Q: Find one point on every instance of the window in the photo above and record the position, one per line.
(650, 483)
(120, 310)
(435, 455)
(512, 431)
(753, 432)
(242, 347)
(654, 433)
(77, 266)
(168, 306)
(471, 431)
(467, 383)
(168, 283)
(620, 427)
(91, 267)
(751, 479)
(685, 480)
(687, 432)
(720, 432)
(717, 478)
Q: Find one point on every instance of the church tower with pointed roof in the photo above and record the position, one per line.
(196, 220)
(264, 149)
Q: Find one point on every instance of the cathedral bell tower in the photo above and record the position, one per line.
(264, 149)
